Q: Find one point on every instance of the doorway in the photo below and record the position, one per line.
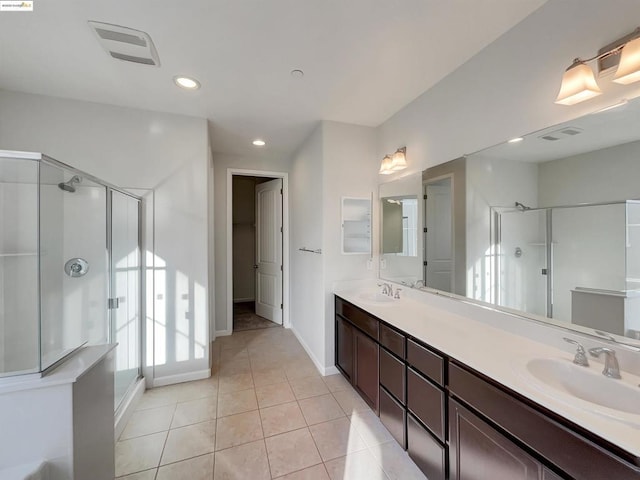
(257, 250)
(439, 240)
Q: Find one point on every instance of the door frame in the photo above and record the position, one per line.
(286, 321)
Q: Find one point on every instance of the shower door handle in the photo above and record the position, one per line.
(114, 303)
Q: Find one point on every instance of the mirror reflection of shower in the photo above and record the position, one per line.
(69, 185)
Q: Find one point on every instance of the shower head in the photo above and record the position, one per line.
(522, 207)
(68, 186)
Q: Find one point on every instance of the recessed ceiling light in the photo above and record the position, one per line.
(259, 143)
(187, 83)
(297, 73)
(516, 140)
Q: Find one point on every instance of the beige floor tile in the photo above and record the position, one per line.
(232, 354)
(198, 389)
(281, 418)
(198, 468)
(355, 466)
(396, 462)
(188, 442)
(146, 475)
(267, 376)
(158, 397)
(144, 422)
(231, 341)
(317, 472)
(320, 409)
(138, 454)
(308, 387)
(270, 395)
(291, 451)
(301, 369)
(238, 429)
(336, 383)
(234, 383)
(248, 461)
(351, 402)
(237, 367)
(195, 411)
(237, 402)
(336, 438)
(370, 428)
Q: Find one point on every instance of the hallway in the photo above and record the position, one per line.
(265, 413)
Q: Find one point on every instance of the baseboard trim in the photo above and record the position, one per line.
(223, 333)
(181, 378)
(125, 411)
(324, 371)
(243, 300)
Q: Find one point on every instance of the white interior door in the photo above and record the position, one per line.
(269, 250)
(439, 236)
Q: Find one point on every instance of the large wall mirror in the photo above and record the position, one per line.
(549, 226)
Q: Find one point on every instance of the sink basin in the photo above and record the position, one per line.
(586, 387)
(376, 298)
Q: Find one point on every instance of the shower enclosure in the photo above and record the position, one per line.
(70, 268)
(567, 262)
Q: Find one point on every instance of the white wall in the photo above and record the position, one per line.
(331, 164)
(307, 269)
(165, 153)
(508, 89)
(221, 163)
(347, 150)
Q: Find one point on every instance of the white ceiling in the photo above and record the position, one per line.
(363, 59)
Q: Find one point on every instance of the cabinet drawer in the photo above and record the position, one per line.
(425, 451)
(392, 340)
(392, 416)
(551, 438)
(426, 402)
(392, 374)
(426, 362)
(360, 319)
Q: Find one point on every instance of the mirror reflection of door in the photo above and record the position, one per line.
(439, 235)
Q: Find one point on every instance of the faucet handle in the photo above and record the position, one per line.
(397, 295)
(611, 367)
(580, 357)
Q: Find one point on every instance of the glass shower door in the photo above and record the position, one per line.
(124, 302)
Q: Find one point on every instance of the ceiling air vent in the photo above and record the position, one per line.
(560, 134)
(126, 44)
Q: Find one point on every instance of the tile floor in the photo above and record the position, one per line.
(265, 413)
(245, 318)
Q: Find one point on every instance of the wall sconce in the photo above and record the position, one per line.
(394, 163)
(579, 81)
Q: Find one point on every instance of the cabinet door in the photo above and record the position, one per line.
(344, 347)
(477, 451)
(366, 379)
(427, 453)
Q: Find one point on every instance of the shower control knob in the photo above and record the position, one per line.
(76, 267)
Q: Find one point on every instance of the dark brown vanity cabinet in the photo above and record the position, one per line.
(479, 451)
(365, 376)
(344, 347)
(458, 424)
(357, 350)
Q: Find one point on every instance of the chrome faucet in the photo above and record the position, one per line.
(611, 367)
(397, 294)
(387, 289)
(580, 357)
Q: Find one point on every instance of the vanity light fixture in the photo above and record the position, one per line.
(579, 81)
(186, 83)
(394, 163)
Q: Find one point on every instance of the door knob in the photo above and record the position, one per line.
(255, 266)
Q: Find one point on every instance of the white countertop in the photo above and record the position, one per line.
(69, 371)
(498, 354)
